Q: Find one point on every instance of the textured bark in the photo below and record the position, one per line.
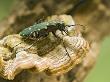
(93, 13)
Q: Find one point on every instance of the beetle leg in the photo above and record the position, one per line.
(63, 43)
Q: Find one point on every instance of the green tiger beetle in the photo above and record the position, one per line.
(41, 30)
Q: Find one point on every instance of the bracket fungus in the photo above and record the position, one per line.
(46, 55)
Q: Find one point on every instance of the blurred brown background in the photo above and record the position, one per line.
(101, 71)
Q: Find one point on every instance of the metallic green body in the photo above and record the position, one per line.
(37, 27)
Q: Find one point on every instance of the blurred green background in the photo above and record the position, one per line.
(100, 73)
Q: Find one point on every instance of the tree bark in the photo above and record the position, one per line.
(94, 14)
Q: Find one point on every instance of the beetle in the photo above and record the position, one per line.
(43, 29)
